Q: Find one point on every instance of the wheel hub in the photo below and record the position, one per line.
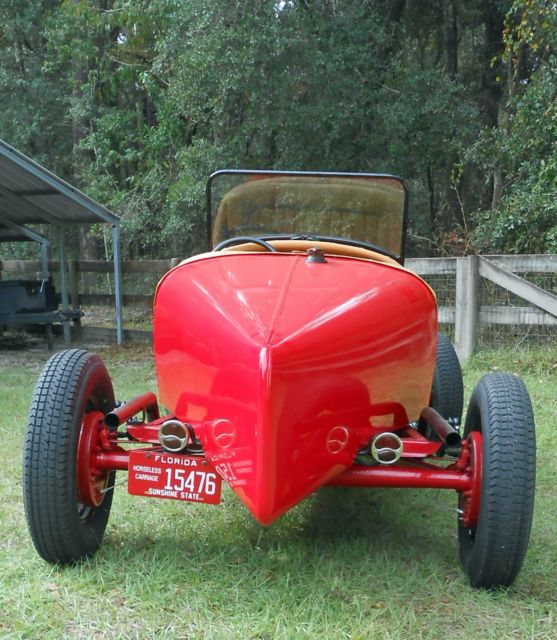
(91, 481)
(469, 502)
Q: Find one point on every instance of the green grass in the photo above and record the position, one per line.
(343, 564)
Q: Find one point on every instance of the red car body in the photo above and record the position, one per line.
(290, 357)
(279, 360)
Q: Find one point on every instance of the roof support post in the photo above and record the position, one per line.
(117, 282)
(63, 283)
(44, 259)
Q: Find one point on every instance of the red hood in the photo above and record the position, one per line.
(283, 363)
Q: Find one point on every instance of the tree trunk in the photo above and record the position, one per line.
(490, 88)
(497, 187)
(86, 246)
(396, 9)
(19, 54)
(450, 38)
(431, 193)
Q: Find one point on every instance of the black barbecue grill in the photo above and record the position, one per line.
(33, 201)
(31, 302)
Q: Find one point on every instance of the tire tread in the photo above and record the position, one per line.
(49, 458)
(503, 405)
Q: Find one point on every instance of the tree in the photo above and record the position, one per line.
(525, 217)
(138, 101)
(33, 103)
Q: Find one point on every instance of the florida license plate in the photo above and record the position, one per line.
(159, 474)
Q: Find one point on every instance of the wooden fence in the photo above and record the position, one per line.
(539, 307)
(467, 311)
(13, 268)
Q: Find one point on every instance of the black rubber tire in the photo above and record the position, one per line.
(447, 390)
(73, 383)
(493, 552)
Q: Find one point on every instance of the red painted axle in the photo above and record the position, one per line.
(410, 477)
(112, 460)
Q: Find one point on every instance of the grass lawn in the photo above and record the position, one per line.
(345, 563)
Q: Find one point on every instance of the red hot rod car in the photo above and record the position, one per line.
(292, 356)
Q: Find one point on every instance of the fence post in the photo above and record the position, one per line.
(466, 306)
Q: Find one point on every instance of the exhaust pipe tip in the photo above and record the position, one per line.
(386, 448)
(112, 421)
(453, 440)
(173, 436)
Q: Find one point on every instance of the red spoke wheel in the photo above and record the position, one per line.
(91, 482)
(493, 546)
(469, 501)
(65, 505)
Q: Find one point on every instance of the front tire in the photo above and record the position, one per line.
(64, 529)
(492, 552)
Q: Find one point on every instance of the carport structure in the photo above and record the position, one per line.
(30, 194)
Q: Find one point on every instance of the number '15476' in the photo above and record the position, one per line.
(194, 481)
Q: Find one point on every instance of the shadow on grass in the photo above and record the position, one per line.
(355, 546)
(345, 529)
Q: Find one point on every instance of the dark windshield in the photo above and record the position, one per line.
(364, 207)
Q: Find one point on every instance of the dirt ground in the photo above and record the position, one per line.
(32, 352)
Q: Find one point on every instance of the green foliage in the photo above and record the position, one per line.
(426, 131)
(138, 102)
(525, 219)
(32, 105)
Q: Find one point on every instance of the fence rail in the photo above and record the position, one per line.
(477, 281)
(468, 289)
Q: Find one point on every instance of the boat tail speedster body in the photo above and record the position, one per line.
(290, 356)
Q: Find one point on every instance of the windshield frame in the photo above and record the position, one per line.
(318, 174)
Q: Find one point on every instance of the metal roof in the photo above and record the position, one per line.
(11, 235)
(31, 194)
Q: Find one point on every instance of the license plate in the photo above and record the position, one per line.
(157, 474)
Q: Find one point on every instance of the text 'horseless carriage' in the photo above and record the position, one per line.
(293, 356)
